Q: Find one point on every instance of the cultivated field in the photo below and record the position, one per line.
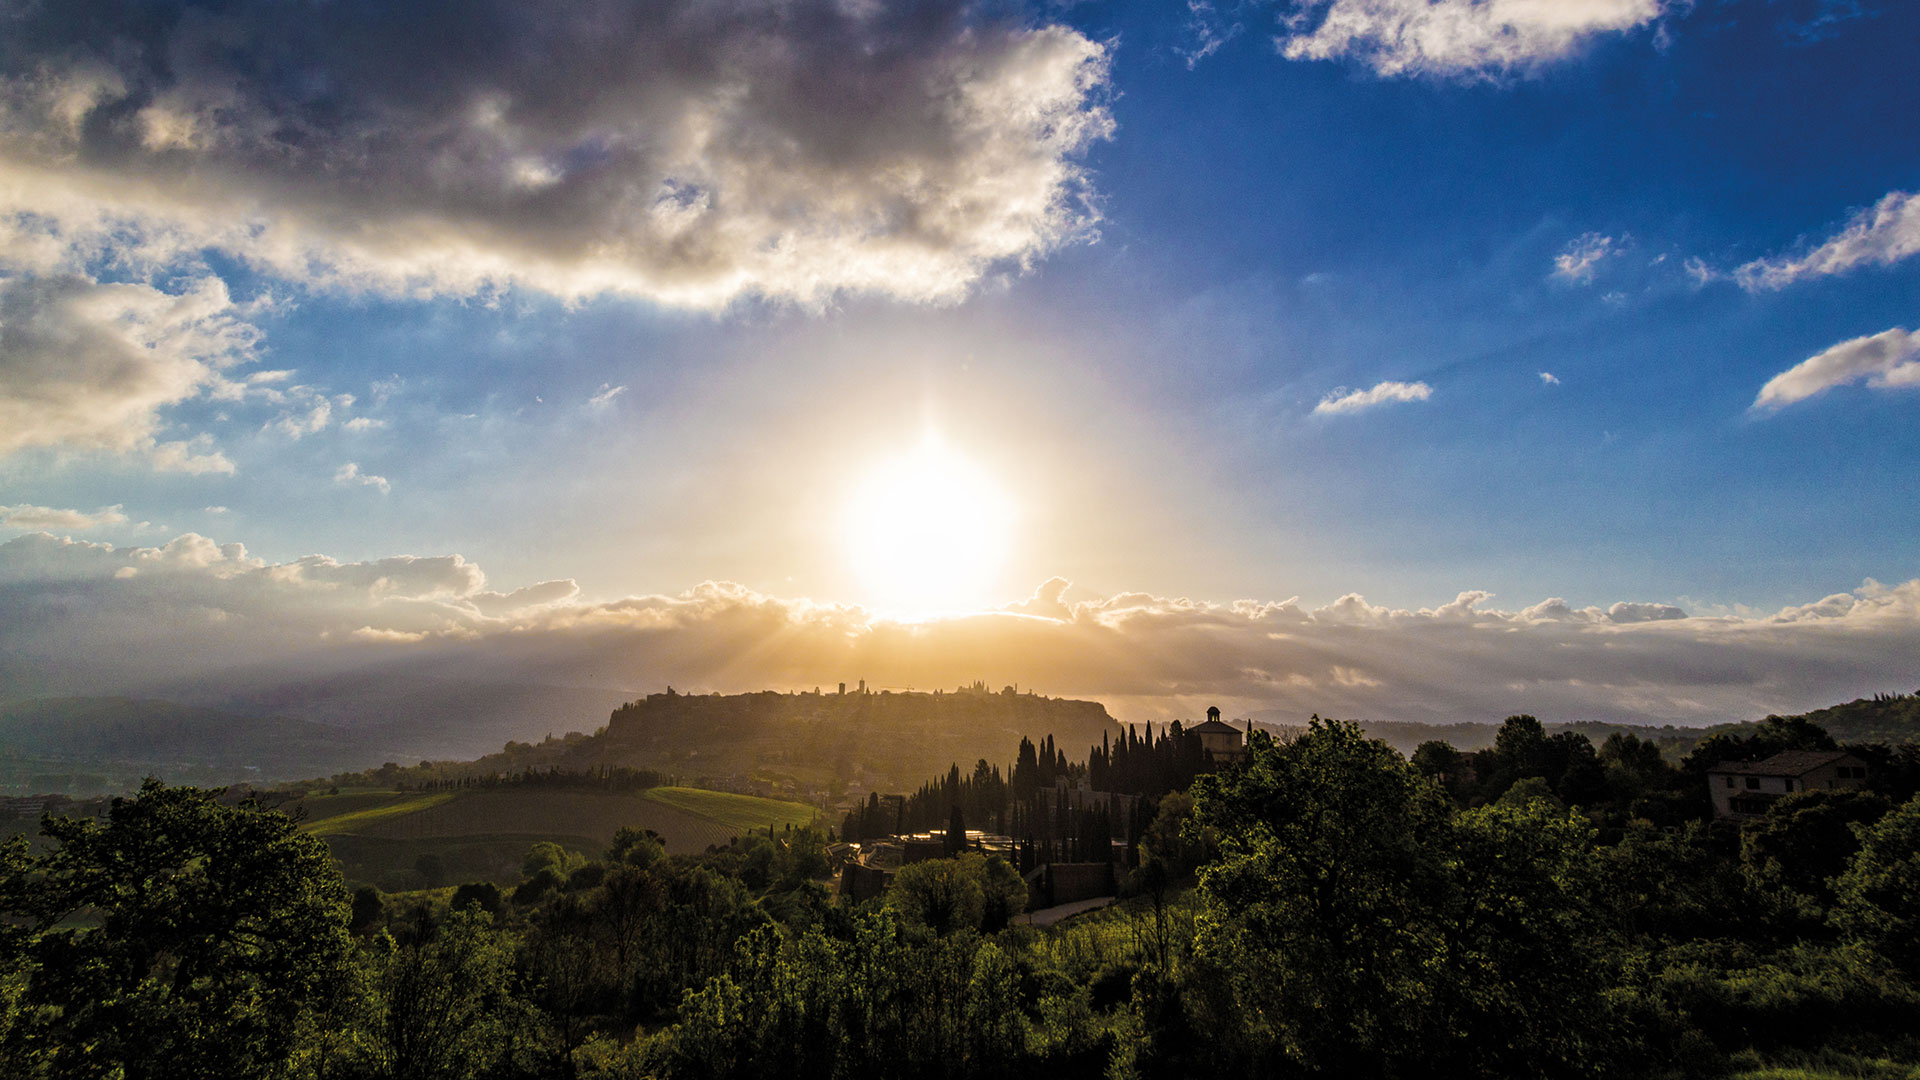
(404, 839)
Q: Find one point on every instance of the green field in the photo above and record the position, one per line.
(739, 812)
(401, 840)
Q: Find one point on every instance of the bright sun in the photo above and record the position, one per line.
(926, 532)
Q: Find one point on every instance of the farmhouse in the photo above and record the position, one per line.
(1744, 789)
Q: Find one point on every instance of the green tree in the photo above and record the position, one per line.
(1807, 839)
(943, 895)
(1879, 895)
(1330, 847)
(440, 1001)
(179, 937)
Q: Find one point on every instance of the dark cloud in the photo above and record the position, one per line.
(689, 151)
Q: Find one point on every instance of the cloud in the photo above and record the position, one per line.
(88, 366)
(1582, 257)
(1464, 39)
(1548, 378)
(350, 474)
(1884, 361)
(93, 618)
(1881, 235)
(25, 516)
(605, 397)
(363, 423)
(686, 151)
(315, 418)
(1343, 400)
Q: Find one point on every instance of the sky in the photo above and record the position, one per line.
(1395, 359)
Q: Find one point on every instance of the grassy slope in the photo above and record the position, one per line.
(383, 836)
(740, 812)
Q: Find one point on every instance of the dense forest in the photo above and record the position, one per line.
(1329, 908)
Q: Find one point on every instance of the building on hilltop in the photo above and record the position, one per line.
(1224, 742)
(1745, 789)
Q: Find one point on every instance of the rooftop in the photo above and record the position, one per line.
(1784, 763)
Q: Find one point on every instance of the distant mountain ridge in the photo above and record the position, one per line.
(114, 742)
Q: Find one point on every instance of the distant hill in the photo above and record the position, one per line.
(880, 741)
(893, 741)
(102, 745)
(417, 715)
(1887, 718)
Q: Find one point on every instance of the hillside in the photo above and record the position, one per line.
(798, 743)
(410, 839)
(1888, 718)
(887, 741)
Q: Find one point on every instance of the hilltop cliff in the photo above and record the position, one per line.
(885, 739)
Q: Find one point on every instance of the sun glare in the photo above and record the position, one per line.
(926, 532)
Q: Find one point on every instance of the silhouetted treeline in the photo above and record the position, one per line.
(1037, 801)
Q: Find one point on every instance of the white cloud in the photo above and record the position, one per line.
(363, 423)
(94, 618)
(685, 151)
(1548, 378)
(605, 397)
(1881, 235)
(314, 418)
(350, 474)
(89, 366)
(1582, 257)
(1343, 400)
(1884, 361)
(1455, 38)
(25, 516)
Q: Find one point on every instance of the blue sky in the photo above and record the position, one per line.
(1553, 257)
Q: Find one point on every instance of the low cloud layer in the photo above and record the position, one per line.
(91, 618)
(1881, 235)
(1469, 39)
(26, 516)
(686, 151)
(1343, 400)
(1888, 360)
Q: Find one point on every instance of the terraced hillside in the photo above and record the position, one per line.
(403, 840)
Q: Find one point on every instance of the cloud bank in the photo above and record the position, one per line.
(1466, 39)
(1884, 361)
(1881, 235)
(685, 151)
(92, 618)
(1343, 400)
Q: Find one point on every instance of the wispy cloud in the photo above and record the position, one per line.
(350, 474)
(1471, 39)
(25, 516)
(1881, 235)
(1582, 257)
(1344, 400)
(1884, 361)
(605, 397)
(1548, 378)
